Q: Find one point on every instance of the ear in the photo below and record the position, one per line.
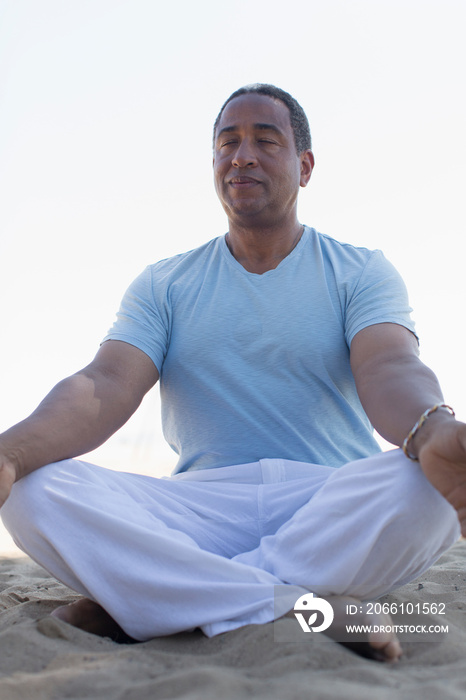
(307, 166)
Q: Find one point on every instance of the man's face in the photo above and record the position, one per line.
(257, 170)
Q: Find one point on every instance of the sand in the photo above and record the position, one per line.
(42, 657)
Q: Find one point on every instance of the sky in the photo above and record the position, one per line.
(106, 113)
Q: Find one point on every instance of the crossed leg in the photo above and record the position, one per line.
(118, 539)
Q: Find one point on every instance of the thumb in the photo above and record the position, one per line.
(7, 479)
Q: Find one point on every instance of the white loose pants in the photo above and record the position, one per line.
(207, 548)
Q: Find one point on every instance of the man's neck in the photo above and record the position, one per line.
(261, 250)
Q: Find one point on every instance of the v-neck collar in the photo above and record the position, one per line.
(255, 275)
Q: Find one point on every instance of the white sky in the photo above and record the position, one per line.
(106, 110)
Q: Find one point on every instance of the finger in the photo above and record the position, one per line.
(7, 479)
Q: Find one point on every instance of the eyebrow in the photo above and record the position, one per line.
(258, 127)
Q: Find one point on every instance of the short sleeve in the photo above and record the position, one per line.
(139, 321)
(378, 296)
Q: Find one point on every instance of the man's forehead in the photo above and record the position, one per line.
(253, 108)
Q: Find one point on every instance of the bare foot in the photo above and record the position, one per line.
(380, 646)
(91, 617)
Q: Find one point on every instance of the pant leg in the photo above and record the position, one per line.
(115, 538)
(345, 531)
(375, 524)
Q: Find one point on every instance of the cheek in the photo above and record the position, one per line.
(219, 169)
(216, 174)
(219, 184)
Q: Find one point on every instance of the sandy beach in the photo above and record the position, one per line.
(44, 658)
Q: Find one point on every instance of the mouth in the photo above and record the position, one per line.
(243, 182)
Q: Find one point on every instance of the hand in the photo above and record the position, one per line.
(7, 479)
(443, 461)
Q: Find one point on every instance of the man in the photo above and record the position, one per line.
(276, 348)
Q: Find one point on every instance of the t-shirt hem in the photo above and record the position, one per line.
(135, 342)
(383, 319)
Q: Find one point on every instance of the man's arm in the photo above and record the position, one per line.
(79, 414)
(395, 388)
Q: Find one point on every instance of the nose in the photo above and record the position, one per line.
(244, 155)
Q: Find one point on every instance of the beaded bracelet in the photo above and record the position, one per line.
(419, 425)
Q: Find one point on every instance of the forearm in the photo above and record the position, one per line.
(77, 416)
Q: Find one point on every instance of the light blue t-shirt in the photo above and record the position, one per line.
(257, 366)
